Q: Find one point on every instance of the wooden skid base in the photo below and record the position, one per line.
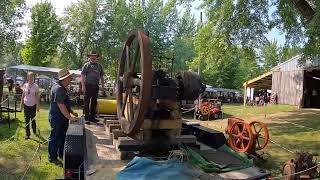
(129, 147)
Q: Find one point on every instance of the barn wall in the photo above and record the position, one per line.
(288, 85)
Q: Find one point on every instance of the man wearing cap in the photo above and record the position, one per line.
(91, 74)
(59, 116)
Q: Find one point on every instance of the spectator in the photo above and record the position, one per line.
(30, 100)
(10, 85)
(18, 89)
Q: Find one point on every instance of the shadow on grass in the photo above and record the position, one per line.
(14, 161)
(6, 131)
(293, 137)
(17, 153)
(308, 118)
(34, 171)
(226, 115)
(286, 129)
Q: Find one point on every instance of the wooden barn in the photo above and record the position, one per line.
(292, 82)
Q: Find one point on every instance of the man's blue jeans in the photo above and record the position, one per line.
(57, 137)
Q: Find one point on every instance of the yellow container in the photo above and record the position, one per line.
(107, 106)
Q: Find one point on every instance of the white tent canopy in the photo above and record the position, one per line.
(44, 70)
(43, 77)
(213, 89)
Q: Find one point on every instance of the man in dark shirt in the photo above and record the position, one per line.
(18, 89)
(59, 116)
(10, 84)
(91, 74)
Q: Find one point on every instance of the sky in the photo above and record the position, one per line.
(59, 6)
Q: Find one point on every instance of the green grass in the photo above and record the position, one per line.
(293, 137)
(290, 136)
(238, 110)
(17, 153)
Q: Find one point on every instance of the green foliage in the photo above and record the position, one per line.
(288, 19)
(12, 58)
(80, 24)
(248, 67)
(10, 14)
(289, 52)
(217, 57)
(45, 36)
(271, 55)
(246, 21)
(183, 41)
(236, 31)
(225, 44)
(104, 26)
(312, 46)
(297, 29)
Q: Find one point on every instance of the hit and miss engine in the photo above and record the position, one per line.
(149, 101)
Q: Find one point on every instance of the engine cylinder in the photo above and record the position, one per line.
(190, 85)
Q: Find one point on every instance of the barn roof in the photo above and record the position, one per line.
(263, 81)
(294, 64)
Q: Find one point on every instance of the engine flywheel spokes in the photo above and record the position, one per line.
(261, 134)
(241, 137)
(134, 82)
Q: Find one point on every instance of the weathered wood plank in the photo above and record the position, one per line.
(288, 85)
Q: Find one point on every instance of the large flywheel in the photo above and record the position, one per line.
(134, 82)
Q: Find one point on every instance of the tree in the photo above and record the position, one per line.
(10, 14)
(104, 26)
(248, 67)
(216, 55)
(45, 36)
(12, 58)
(271, 55)
(298, 30)
(288, 19)
(80, 26)
(183, 41)
(226, 46)
(248, 21)
(245, 21)
(312, 46)
(288, 52)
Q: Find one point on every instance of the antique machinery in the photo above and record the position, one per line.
(302, 167)
(148, 100)
(247, 137)
(208, 109)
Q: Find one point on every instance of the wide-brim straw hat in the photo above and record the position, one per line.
(93, 53)
(63, 74)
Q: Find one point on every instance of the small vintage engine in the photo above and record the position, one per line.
(304, 166)
(149, 101)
